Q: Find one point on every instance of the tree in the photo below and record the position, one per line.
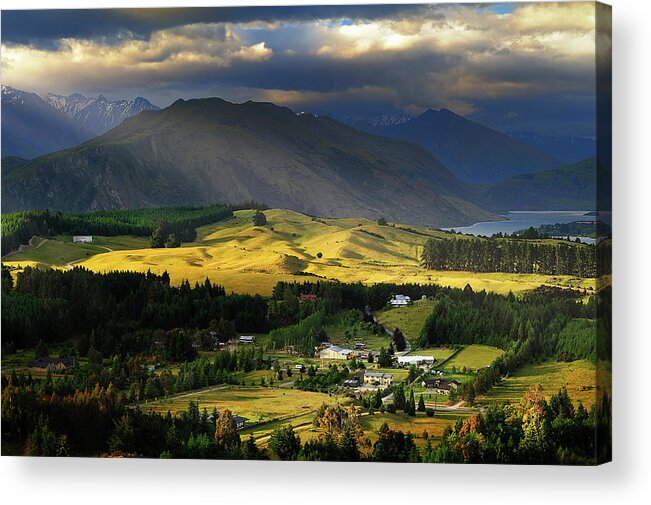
(399, 340)
(226, 435)
(421, 404)
(158, 236)
(172, 241)
(285, 443)
(259, 219)
(41, 349)
(410, 408)
(382, 222)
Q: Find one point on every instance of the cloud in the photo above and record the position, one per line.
(497, 64)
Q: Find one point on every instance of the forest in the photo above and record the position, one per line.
(510, 256)
(18, 227)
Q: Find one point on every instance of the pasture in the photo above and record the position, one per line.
(473, 357)
(259, 404)
(579, 377)
(249, 259)
(410, 319)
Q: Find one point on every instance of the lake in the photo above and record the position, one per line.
(520, 220)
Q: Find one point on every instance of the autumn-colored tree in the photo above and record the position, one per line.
(226, 435)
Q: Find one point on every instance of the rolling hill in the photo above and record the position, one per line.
(32, 127)
(570, 187)
(206, 150)
(472, 152)
(252, 259)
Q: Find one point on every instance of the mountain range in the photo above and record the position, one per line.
(33, 125)
(472, 152)
(566, 149)
(98, 114)
(210, 150)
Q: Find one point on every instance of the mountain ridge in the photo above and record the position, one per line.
(205, 150)
(471, 151)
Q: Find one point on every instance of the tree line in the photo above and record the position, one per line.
(115, 308)
(18, 227)
(510, 256)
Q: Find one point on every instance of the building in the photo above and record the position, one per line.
(53, 364)
(440, 386)
(82, 239)
(351, 383)
(416, 360)
(308, 298)
(247, 339)
(378, 379)
(335, 352)
(240, 422)
(400, 301)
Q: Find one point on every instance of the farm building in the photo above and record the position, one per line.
(53, 364)
(440, 386)
(351, 383)
(335, 352)
(82, 239)
(240, 421)
(416, 360)
(400, 301)
(377, 379)
(247, 339)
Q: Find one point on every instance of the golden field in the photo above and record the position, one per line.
(249, 259)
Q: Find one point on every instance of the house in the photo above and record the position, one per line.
(53, 364)
(240, 422)
(360, 345)
(247, 339)
(82, 239)
(440, 386)
(378, 379)
(335, 352)
(351, 383)
(416, 360)
(400, 300)
(308, 298)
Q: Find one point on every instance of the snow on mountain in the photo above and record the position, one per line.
(99, 114)
(387, 119)
(31, 126)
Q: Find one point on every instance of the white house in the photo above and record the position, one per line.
(82, 239)
(415, 360)
(400, 300)
(335, 352)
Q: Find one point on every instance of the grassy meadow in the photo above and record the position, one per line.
(259, 404)
(473, 357)
(579, 377)
(249, 259)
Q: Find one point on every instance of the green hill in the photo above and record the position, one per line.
(570, 187)
(201, 151)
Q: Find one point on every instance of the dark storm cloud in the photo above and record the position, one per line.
(44, 28)
(515, 66)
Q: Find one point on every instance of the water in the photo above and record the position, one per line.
(521, 220)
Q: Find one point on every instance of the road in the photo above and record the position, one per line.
(70, 263)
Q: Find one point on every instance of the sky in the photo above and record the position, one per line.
(509, 66)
